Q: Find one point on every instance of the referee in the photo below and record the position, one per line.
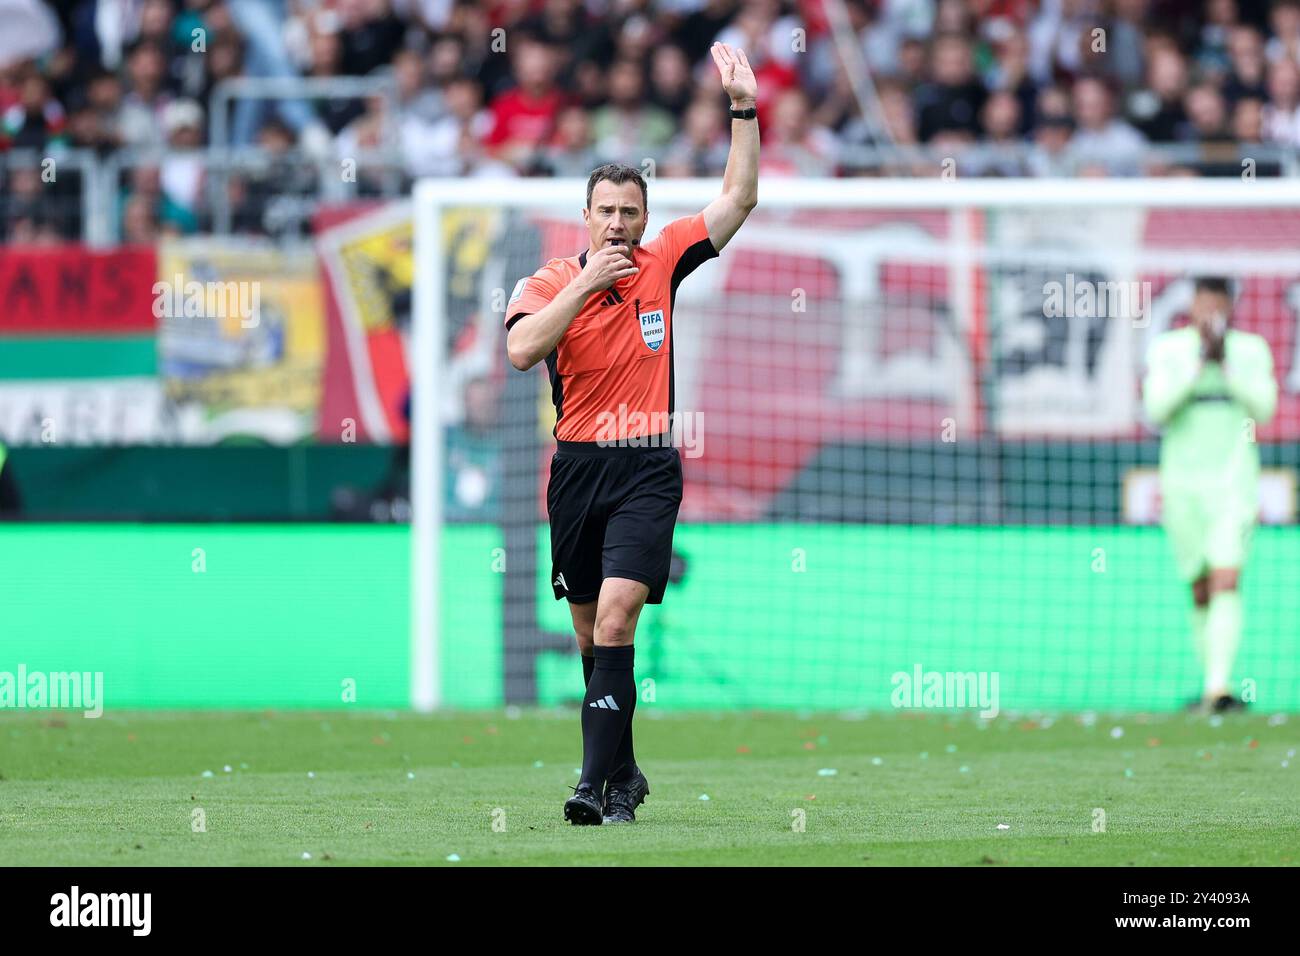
(1208, 386)
(603, 323)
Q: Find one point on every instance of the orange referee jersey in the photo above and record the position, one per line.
(612, 370)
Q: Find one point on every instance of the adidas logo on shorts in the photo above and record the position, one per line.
(559, 579)
(605, 703)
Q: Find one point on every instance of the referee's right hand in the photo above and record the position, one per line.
(606, 267)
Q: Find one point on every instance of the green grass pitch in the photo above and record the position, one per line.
(483, 789)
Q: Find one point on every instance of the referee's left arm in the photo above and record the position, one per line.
(724, 215)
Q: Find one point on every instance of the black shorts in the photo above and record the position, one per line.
(612, 515)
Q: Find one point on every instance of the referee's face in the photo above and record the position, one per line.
(616, 216)
(1211, 311)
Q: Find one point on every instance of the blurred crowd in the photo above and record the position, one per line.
(555, 87)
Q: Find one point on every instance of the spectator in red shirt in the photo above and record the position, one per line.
(523, 118)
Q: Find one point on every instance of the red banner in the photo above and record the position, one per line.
(58, 289)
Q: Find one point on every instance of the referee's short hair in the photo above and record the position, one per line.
(1218, 284)
(617, 173)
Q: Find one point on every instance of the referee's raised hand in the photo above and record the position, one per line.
(607, 266)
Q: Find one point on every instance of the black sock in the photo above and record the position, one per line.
(610, 698)
(624, 759)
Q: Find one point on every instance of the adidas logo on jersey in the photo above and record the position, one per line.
(605, 703)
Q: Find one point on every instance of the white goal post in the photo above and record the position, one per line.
(565, 197)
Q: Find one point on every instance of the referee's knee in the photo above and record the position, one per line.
(614, 629)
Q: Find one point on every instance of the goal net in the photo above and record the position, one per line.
(911, 426)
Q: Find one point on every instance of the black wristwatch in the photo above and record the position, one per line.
(750, 113)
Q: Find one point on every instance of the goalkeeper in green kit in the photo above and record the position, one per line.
(1209, 387)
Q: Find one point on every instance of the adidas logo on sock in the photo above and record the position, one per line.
(605, 703)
